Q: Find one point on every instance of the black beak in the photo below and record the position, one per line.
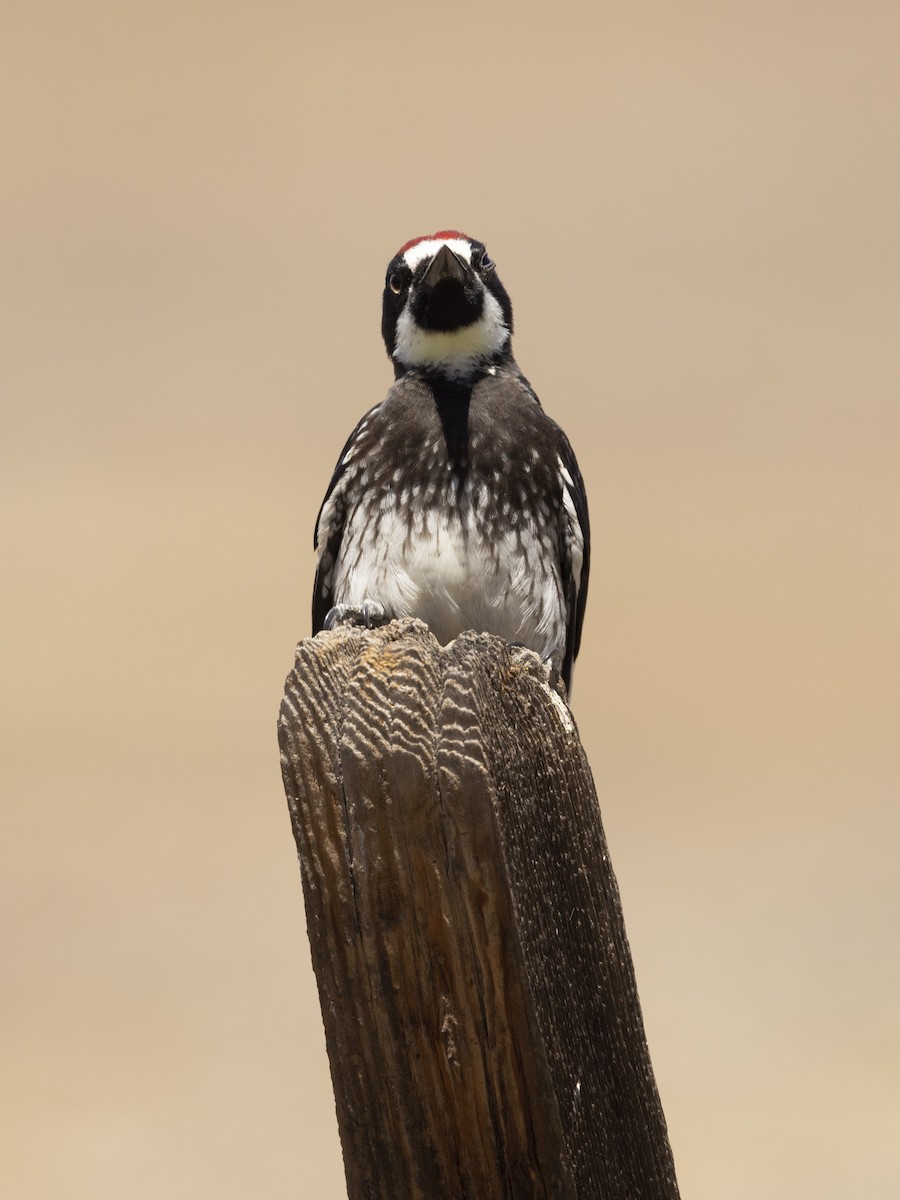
(445, 265)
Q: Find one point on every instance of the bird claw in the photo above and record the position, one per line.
(550, 666)
(369, 615)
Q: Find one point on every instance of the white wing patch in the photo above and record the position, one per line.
(330, 518)
(353, 449)
(574, 532)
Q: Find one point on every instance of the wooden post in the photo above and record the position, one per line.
(480, 1008)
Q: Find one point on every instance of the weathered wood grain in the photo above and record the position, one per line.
(480, 1008)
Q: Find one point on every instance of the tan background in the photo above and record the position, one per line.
(695, 209)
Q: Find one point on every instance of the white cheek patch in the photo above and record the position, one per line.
(427, 249)
(456, 351)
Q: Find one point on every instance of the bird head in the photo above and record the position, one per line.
(445, 312)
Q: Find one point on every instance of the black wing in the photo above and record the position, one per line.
(330, 531)
(575, 526)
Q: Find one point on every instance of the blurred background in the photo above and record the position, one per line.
(695, 210)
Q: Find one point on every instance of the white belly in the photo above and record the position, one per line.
(450, 577)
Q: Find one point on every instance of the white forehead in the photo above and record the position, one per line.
(430, 246)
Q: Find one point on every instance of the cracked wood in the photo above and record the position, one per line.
(480, 1008)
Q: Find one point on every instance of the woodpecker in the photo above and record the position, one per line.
(456, 499)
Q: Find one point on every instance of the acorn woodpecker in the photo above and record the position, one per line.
(456, 499)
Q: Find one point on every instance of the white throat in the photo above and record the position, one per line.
(456, 352)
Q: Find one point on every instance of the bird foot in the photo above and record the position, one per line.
(370, 614)
(551, 669)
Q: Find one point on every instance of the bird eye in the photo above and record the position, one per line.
(395, 283)
(487, 263)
